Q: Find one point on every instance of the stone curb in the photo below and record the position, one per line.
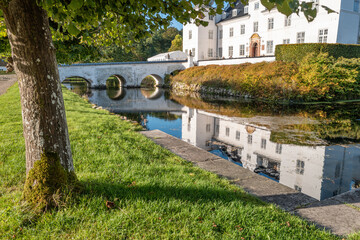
(340, 214)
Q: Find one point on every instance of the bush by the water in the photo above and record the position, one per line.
(315, 78)
(296, 52)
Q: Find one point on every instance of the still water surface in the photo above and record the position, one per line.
(311, 148)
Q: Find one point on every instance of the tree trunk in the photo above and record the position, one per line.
(43, 112)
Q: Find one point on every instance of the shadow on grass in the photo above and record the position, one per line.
(154, 192)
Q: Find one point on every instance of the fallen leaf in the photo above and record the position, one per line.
(110, 205)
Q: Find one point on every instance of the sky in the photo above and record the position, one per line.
(176, 24)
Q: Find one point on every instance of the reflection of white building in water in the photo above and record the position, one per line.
(320, 172)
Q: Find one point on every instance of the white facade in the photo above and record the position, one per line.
(253, 31)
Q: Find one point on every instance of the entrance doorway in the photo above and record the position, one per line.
(255, 45)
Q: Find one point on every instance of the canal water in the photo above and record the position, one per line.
(312, 148)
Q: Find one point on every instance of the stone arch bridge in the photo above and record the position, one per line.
(130, 74)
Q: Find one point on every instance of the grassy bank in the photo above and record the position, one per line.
(315, 78)
(157, 195)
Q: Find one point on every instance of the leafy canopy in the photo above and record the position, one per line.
(103, 22)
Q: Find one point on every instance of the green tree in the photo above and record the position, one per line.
(49, 163)
(176, 44)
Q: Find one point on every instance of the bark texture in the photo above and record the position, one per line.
(43, 111)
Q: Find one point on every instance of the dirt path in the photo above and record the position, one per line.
(6, 81)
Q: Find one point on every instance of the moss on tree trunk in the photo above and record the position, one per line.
(48, 182)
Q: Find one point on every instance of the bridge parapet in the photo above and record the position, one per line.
(133, 73)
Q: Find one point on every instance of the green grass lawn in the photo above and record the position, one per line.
(157, 195)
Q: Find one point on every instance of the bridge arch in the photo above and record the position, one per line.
(74, 78)
(156, 77)
(121, 82)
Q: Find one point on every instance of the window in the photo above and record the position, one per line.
(242, 29)
(237, 136)
(207, 127)
(231, 32)
(227, 131)
(242, 50)
(189, 127)
(256, 26)
(297, 188)
(248, 157)
(256, 6)
(246, 9)
(278, 148)
(211, 34)
(263, 143)
(220, 52)
(286, 41)
(193, 52)
(270, 23)
(270, 47)
(300, 167)
(249, 139)
(356, 5)
(217, 128)
(323, 35)
(190, 34)
(220, 34)
(234, 12)
(337, 170)
(231, 51)
(288, 21)
(210, 52)
(211, 17)
(316, 5)
(300, 37)
(186, 51)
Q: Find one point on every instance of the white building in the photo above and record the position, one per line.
(253, 31)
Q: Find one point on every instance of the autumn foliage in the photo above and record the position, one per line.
(315, 78)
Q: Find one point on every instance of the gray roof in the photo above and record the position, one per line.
(239, 6)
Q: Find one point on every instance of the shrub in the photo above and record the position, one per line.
(296, 52)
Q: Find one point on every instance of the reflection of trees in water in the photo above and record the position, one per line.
(335, 123)
(79, 87)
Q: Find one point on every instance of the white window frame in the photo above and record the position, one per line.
(256, 6)
(220, 52)
(242, 50)
(242, 29)
(263, 143)
(220, 34)
(270, 23)
(190, 34)
(246, 9)
(323, 35)
(256, 27)
(286, 41)
(300, 37)
(287, 21)
(231, 32)
(211, 34)
(234, 12)
(270, 46)
(237, 136)
(231, 51)
(210, 52)
(211, 17)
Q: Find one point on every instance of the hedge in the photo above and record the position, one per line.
(296, 52)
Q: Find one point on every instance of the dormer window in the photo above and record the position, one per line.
(223, 15)
(211, 17)
(234, 12)
(246, 9)
(256, 6)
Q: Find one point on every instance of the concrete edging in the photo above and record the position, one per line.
(340, 214)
